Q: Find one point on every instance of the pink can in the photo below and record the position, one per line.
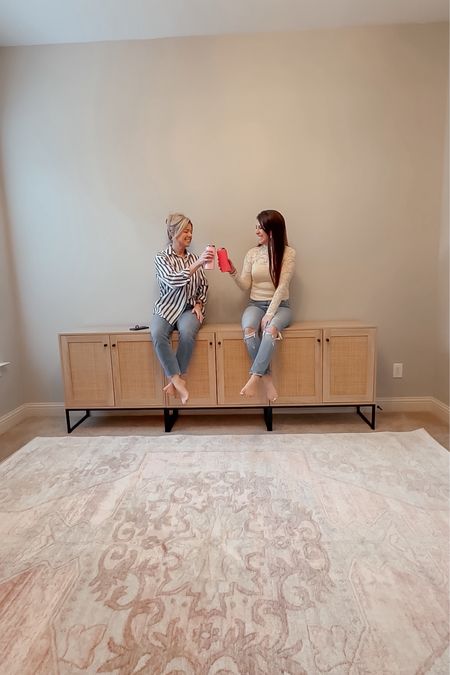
(210, 265)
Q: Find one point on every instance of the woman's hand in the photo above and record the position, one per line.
(265, 321)
(233, 269)
(207, 256)
(197, 310)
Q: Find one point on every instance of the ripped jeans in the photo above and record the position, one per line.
(260, 347)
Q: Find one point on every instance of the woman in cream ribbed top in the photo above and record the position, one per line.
(255, 276)
(267, 271)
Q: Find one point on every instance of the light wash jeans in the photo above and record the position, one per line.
(188, 326)
(260, 347)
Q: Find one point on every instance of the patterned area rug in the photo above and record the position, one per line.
(219, 555)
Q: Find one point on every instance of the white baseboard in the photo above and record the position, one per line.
(416, 404)
(45, 409)
(440, 409)
(12, 418)
(389, 404)
(29, 410)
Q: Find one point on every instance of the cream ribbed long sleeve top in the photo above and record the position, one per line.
(255, 276)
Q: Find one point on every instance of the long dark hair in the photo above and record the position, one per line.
(272, 222)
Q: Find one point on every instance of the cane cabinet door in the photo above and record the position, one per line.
(138, 377)
(233, 365)
(201, 375)
(297, 367)
(349, 365)
(87, 371)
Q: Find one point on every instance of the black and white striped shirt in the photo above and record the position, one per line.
(177, 288)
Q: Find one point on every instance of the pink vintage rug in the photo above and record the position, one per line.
(197, 555)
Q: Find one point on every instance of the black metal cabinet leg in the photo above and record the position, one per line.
(370, 422)
(170, 418)
(70, 427)
(268, 417)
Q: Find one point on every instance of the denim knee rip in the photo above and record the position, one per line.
(278, 335)
(248, 336)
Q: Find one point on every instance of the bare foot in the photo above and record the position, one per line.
(251, 388)
(170, 390)
(269, 387)
(180, 386)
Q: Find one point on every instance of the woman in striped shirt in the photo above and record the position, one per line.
(183, 289)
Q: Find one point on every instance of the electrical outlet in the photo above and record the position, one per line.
(397, 370)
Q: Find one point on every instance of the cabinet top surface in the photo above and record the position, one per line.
(298, 325)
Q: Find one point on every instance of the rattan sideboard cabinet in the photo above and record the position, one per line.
(110, 370)
(315, 364)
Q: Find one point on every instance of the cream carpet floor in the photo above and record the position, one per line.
(219, 555)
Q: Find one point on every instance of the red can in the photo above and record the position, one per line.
(222, 258)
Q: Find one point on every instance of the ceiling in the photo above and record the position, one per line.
(31, 22)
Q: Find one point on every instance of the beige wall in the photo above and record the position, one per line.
(342, 130)
(441, 390)
(11, 390)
